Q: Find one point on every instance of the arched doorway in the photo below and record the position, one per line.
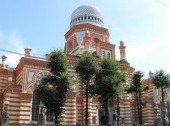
(35, 107)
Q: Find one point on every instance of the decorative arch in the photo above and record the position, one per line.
(36, 80)
(35, 100)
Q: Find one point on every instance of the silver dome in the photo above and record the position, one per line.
(86, 14)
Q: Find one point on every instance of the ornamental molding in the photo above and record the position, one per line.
(87, 26)
(36, 78)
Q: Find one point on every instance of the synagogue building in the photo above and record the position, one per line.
(87, 33)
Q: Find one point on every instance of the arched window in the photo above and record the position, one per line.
(35, 107)
(89, 17)
(85, 17)
(108, 54)
(82, 18)
(70, 45)
(103, 53)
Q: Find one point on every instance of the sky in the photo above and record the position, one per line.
(143, 25)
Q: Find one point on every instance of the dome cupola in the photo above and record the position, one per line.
(86, 14)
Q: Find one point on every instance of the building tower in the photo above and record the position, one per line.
(87, 33)
(122, 48)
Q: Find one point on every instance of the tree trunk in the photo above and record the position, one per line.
(106, 112)
(137, 103)
(136, 110)
(118, 110)
(87, 101)
(56, 118)
(162, 107)
(140, 106)
(168, 113)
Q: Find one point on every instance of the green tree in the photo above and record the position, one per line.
(107, 83)
(86, 68)
(53, 89)
(161, 80)
(119, 81)
(137, 89)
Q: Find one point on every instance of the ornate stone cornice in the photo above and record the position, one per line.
(105, 45)
(86, 27)
(30, 61)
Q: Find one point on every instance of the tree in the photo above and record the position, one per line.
(53, 89)
(86, 68)
(161, 80)
(121, 78)
(137, 90)
(107, 83)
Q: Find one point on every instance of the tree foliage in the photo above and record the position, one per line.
(86, 68)
(57, 63)
(108, 83)
(53, 89)
(162, 80)
(136, 89)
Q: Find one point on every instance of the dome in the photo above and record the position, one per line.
(86, 14)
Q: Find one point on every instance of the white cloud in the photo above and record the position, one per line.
(11, 42)
(16, 41)
(151, 55)
(13, 59)
(164, 2)
(137, 51)
(143, 50)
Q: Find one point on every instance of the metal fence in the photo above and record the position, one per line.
(59, 125)
(55, 125)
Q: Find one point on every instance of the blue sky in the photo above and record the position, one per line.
(144, 26)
